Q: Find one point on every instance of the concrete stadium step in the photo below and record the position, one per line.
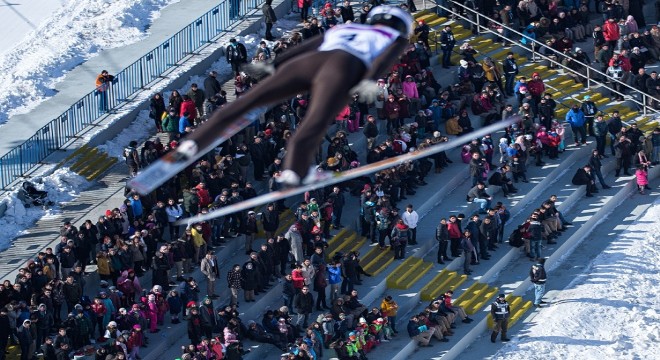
(78, 152)
(89, 162)
(353, 243)
(336, 241)
(591, 213)
(421, 15)
(518, 307)
(82, 160)
(542, 187)
(475, 297)
(379, 260)
(407, 273)
(445, 280)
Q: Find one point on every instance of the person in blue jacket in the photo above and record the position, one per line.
(575, 117)
(184, 123)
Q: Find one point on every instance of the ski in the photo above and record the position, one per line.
(337, 177)
(186, 154)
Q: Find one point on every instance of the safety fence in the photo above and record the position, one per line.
(126, 83)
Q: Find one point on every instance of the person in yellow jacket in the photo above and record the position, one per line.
(493, 73)
(198, 242)
(452, 127)
(389, 307)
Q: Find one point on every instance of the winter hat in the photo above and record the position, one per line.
(437, 134)
(536, 74)
(112, 324)
(137, 327)
(577, 49)
(464, 63)
(586, 97)
(108, 213)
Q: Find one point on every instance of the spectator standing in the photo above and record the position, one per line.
(156, 110)
(590, 110)
(234, 281)
(468, 251)
(596, 165)
(304, 304)
(210, 269)
(337, 206)
(198, 97)
(576, 118)
(600, 132)
(447, 43)
(510, 71)
(500, 312)
(25, 339)
(103, 81)
(442, 236)
(411, 218)
(623, 151)
(236, 55)
(211, 85)
(270, 18)
(170, 124)
(399, 238)
(538, 277)
(132, 158)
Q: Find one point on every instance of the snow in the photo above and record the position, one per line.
(45, 39)
(62, 185)
(610, 311)
(140, 129)
(114, 23)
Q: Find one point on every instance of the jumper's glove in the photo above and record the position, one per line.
(259, 70)
(367, 90)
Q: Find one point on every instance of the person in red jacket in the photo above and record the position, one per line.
(298, 278)
(454, 236)
(611, 32)
(188, 106)
(135, 341)
(203, 195)
(536, 87)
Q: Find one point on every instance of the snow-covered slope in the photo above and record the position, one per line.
(611, 311)
(57, 36)
(62, 186)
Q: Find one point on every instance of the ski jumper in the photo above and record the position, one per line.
(328, 67)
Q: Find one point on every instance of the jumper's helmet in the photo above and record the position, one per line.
(393, 17)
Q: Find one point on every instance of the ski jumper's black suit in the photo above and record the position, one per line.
(328, 67)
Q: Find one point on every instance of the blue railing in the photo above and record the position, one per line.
(127, 82)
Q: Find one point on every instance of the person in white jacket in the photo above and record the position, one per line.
(410, 218)
(174, 213)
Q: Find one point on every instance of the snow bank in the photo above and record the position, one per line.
(73, 33)
(139, 130)
(63, 186)
(610, 311)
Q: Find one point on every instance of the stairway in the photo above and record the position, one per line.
(89, 162)
(564, 89)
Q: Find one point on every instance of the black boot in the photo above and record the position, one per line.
(493, 336)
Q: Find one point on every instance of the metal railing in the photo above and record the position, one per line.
(135, 77)
(590, 71)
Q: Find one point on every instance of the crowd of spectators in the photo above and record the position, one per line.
(412, 111)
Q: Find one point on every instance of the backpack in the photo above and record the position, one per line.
(516, 239)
